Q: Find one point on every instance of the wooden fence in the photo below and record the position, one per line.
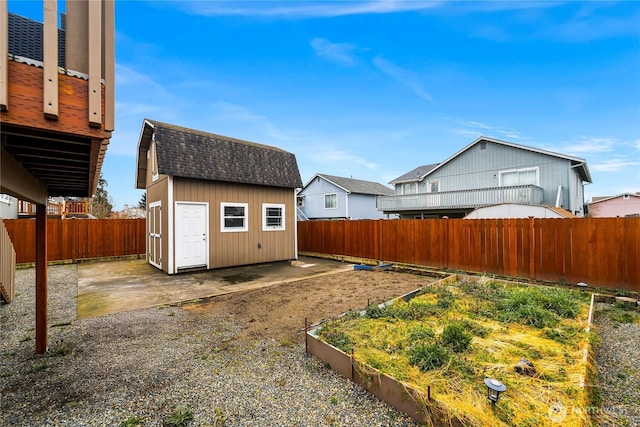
(73, 239)
(603, 252)
(7, 266)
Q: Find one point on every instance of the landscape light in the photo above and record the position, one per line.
(494, 388)
(582, 286)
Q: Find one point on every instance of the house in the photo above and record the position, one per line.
(215, 201)
(57, 104)
(334, 197)
(8, 207)
(487, 172)
(627, 204)
(515, 210)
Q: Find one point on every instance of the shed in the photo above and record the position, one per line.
(515, 210)
(215, 201)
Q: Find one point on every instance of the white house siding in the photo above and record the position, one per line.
(314, 200)
(616, 207)
(8, 207)
(477, 168)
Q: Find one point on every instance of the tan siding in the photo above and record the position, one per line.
(158, 191)
(228, 249)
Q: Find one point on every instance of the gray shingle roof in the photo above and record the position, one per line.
(414, 174)
(359, 186)
(190, 153)
(25, 39)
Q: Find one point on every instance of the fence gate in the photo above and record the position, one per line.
(154, 223)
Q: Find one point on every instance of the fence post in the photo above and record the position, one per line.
(532, 249)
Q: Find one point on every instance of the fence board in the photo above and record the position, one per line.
(73, 239)
(602, 252)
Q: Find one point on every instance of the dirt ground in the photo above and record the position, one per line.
(279, 311)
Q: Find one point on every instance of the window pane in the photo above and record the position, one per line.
(234, 222)
(509, 179)
(528, 177)
(233, 211)
(274, 222)
(274, 212)
(434, 186)
(330, 201)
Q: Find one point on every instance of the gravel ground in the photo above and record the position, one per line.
(146, 363)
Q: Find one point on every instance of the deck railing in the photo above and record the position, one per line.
(523, 194)
(54, 208)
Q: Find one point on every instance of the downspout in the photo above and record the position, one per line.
(346, 204)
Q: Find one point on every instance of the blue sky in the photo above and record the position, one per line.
(373, 89)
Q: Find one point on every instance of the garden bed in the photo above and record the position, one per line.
(429, 352)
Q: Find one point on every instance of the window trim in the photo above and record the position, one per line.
(244, 228)
(266, 227)
(535, 168)
(154, 166)
(325, 200)
(433, 182)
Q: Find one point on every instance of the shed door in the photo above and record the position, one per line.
(191, 235)
(154, 244)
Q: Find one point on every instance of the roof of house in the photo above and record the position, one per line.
(604, 199)
(415, 174)
(25, 39)
(357, 186)
(190, 153)
(580, 164)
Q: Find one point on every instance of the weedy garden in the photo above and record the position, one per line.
(443, 341)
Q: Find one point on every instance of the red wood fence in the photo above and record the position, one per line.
(72, 239)
(602, 252)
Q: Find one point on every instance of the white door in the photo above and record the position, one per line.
(154, 245)
(191, 235)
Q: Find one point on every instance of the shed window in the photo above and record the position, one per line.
(331, 201)
(234, 217)
(272, 217)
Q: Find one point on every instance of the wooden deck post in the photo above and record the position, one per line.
(41, 278)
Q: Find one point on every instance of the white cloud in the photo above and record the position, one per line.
(337, 157)
(341, 53)
(229, 111)
(473, 129)
(403, 76)
(306, 9)
(590, 145)
(615, 165)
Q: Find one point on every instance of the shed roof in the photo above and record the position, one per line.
(357, 186)
(604, 199)
(190, 153)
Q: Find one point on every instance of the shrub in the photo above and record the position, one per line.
(427, 356)
(180, 417)
(455, 336)
(420, 333)
(337, 339)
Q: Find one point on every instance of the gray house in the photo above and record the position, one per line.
(335, 197)
(489, 172)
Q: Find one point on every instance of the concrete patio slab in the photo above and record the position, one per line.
(114, 286)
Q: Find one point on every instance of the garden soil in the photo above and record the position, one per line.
(279, 311)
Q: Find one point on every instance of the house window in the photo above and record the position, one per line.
(234, 217)
(433, 186)
(625, 197)
(272, 217)
(331, 201)
(300, 202)
(483, 145)
(528, 176)
(410, 188)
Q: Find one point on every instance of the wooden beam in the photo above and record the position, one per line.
(50, 59)
(18, 182)
(4, 56)
(76, 39)
(95, 64)
(109, 64)
(41, 279)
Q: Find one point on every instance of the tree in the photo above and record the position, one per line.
(143, 201)
(101, 203)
